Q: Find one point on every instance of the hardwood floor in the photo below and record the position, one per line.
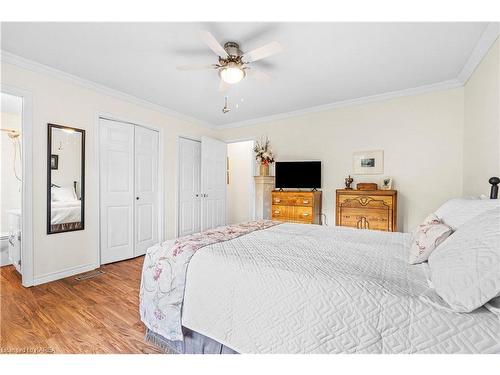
(98, 315)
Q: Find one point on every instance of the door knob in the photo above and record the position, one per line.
(137, 198)
(197, 195)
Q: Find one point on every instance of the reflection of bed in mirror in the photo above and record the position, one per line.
(66, 208)
(66, 179)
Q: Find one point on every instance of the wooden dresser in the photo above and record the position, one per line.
(367, 209)
(297, 206)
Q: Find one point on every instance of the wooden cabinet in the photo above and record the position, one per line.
(297, 206)
(368, 209)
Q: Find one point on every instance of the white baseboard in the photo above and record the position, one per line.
(4, 257)
(53, 276)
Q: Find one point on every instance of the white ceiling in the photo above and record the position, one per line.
(322, 63)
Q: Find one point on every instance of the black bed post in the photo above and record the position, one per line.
(494, 181)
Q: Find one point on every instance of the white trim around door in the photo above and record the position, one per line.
(27, 256)
(161, 175)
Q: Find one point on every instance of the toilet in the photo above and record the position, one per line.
(10, 242)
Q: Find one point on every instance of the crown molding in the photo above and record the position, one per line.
(482, 47)
(10, 58)
(445, 85)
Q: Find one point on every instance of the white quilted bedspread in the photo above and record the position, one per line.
(310, 289)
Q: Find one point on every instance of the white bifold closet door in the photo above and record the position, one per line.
(213, 183)
(189, 186)
(146, 189)
(128, 190)
(202, 185)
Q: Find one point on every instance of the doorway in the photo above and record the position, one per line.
(16, 187)
(201, 184)
(240, 182)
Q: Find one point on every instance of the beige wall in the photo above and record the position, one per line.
(482, 124)
(62, 102)
(437, 145)
(10, 189)
(421, 136)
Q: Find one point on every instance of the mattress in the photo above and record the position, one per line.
(297, 288)
(65, 212)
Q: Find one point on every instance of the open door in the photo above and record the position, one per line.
(213, 183)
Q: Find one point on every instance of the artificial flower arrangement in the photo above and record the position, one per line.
(264, 155)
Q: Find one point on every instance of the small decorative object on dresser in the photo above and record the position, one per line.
(348, 182)
(368, 162)
(297, 206)
(367, 186)
(494, 181)
(264, 155)
(367, 209)
(386, 183)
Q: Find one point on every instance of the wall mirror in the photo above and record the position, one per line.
(65, 179)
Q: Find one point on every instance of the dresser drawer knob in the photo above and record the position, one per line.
(305, 214)
(277, 200)
(306, 202)
(276, 212)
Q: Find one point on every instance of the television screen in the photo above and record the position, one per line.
(298, 174)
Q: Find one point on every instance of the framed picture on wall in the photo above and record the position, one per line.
(368, 162)
(54, 162)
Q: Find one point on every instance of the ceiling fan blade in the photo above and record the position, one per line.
(223, 86)
(212, 43)
(263, 52)
(194, 67)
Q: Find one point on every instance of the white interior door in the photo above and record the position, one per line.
(146, 189)
(213, 183)
(189, 186)
(116, 190)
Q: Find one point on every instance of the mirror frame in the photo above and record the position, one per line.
(49, 177)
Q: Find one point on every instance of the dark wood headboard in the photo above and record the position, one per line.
(494, 181)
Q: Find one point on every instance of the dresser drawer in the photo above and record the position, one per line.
(294, 199)
(301, 200)
(365, 202)
(302, 213)
(280, 212)
(366, 219)
(280, 199)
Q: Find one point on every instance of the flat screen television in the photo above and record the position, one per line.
(298, 174)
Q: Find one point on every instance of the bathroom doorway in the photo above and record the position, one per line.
(15, 193)
(240, 182)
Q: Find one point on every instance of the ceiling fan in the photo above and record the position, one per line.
(233, 63)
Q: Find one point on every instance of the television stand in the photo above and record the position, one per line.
(296, 206)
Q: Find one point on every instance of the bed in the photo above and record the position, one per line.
(270, 287)
(295, 288)
(65, 209)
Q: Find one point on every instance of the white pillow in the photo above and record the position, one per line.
(465, 268)
(426, 238)
(458, 211)
(63, 194)
(494, 306)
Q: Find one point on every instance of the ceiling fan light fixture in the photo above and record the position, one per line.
(232, 73)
